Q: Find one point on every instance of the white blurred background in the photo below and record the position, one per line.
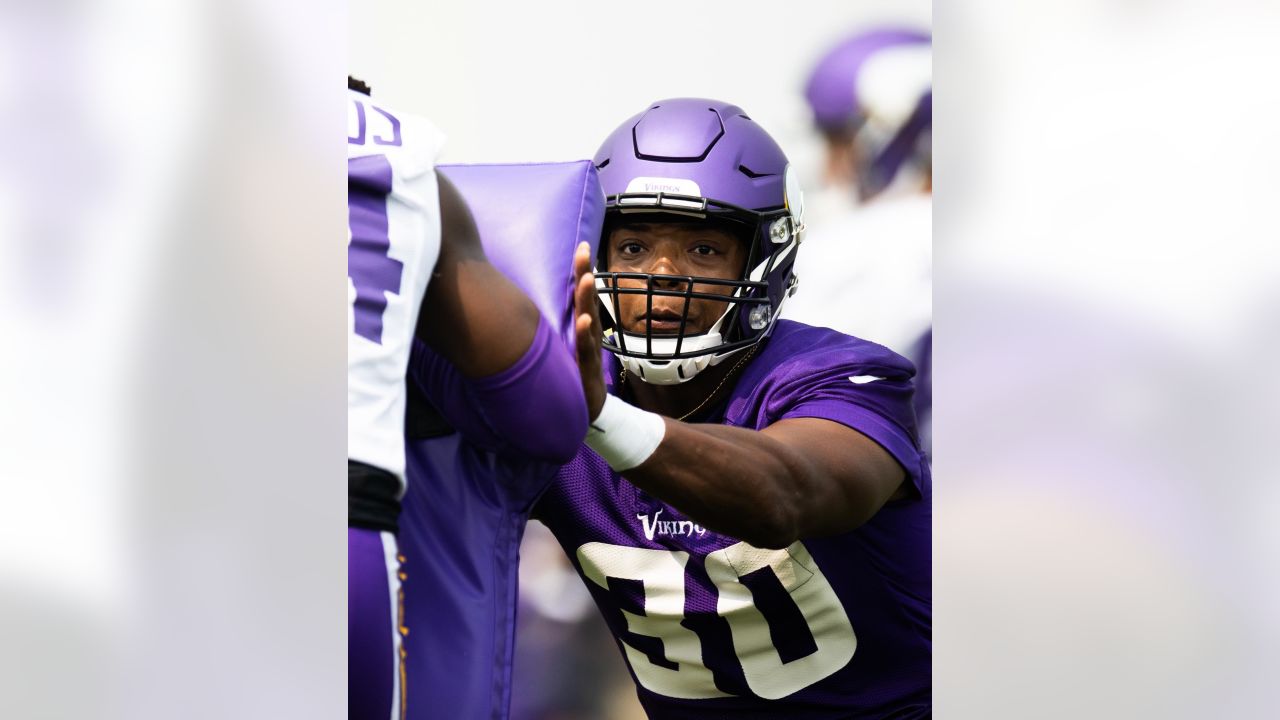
(549, 81)
(171, 354)
(1106, 310)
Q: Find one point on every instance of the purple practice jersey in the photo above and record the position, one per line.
(711, 627)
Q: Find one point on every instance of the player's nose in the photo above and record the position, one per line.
(665, 264)
(670, 278)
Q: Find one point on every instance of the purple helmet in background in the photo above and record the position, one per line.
(705, 159)
(830, 89)
(913, 139)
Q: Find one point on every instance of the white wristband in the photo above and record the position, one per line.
(624, 435)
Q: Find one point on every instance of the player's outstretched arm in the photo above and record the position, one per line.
(497, 370)
(797, 478)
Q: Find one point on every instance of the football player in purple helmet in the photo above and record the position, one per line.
(751, 510)
(842, 97)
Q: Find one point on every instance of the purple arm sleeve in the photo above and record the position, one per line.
(534, 409)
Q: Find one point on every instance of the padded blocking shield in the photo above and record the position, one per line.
(531, 217)
(465, 509)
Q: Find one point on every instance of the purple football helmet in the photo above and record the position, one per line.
(831, 87)
(841, 92)
(705, 159)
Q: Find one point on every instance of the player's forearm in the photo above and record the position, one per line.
(737, 482)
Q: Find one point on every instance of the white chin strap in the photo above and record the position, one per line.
(672, 372)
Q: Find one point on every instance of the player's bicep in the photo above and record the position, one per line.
(457, 224)
(441, 315)
(473, 315)
(852, 476)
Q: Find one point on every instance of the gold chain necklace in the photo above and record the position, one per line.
(622, 380)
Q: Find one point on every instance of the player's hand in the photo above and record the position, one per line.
(586, 311)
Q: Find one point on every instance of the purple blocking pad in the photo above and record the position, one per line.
(531, 217)
(465, 510)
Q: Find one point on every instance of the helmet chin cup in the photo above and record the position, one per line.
(656, 371)
(670, 372)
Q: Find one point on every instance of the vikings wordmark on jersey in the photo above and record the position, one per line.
(394, 240)
(835, 627)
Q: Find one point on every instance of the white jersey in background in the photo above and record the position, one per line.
(870, 273)
(393, 227)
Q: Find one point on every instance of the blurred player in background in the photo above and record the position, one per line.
(413, 245)
(841, 94)
(868, 270)
(751, 512)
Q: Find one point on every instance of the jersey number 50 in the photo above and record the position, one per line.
(773, 663)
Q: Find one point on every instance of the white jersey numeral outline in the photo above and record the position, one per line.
(663, 575)
(662, 572)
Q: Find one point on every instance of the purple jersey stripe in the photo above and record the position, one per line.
(371, 269)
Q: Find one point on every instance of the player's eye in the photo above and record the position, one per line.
(705, 249)
(630, 247)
